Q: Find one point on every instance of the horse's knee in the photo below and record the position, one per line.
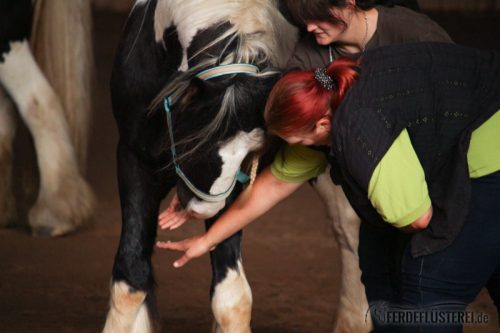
(232, 302)
(128, 312)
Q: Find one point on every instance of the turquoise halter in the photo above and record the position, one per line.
(169, 101)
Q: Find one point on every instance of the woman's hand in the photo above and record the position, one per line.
(192, 247)
(419, 224)
(174, 216)
(266, 192)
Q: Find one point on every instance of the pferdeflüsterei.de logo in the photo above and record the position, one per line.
(385, 313)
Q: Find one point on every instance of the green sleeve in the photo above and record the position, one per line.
(483, 156)
(397, 188)
(298, 163)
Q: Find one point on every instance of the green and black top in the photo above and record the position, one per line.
(414, 107)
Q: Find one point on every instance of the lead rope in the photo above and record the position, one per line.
(253, 174)
(253, 170)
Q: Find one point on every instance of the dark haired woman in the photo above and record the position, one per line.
(346, 27)
(421, 154)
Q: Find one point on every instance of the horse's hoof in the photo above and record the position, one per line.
(52, 221)
(42, 231)
(57, 215)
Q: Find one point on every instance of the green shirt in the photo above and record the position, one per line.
(397, 187)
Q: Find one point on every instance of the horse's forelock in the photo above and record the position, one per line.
(263, 38)
(225, 108)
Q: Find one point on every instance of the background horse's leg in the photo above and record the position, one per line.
(61, 41)
(65, 199)
(132, 305)
(7, 131)
(353, 306)
(231, 294)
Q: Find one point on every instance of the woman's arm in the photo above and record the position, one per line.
(267, 191)
(398, 188)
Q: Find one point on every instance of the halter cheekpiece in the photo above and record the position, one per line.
(169, 101)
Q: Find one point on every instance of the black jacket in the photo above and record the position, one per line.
(440, 93)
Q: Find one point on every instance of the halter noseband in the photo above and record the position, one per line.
(169, 101)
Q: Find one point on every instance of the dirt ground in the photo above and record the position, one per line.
(62, 285)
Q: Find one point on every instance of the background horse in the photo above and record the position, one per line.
(57, 114)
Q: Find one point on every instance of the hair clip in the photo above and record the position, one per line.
(324, 79)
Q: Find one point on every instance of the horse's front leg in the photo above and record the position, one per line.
(65, 200)
(132, 306)
(352, 313)
(7, 131)
(230, 292)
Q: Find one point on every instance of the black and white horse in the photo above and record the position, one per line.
(215, 123)
(167, 50)
(64, 200)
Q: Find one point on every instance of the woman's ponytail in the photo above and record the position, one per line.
(301, 98)
(343, 72)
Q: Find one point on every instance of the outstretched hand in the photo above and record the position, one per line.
(174, 216)
(192, 247)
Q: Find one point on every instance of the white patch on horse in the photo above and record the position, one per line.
(232, 302)
(128, 312)
(271, 33)
(232, 153)
(188, 17)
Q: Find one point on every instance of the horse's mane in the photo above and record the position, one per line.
(262, 38)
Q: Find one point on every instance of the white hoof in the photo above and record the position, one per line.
(232, 303)
(128, 312)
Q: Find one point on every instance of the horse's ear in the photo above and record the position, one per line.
(200, 88)
(197, 88)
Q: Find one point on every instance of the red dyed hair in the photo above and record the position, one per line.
(298, 100)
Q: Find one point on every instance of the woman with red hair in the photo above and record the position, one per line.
(342, 28)
(412, 136)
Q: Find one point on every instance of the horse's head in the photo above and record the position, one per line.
(216, 124)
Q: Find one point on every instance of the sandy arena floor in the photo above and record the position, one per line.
(61, 285)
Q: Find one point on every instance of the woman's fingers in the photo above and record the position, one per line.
(169, 220)
(176, 246)
(174, 222)
(193, 248)
(174, 216)
(182, 261)
(176, 225)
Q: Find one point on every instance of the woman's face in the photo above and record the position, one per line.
(327, 32)
(320, 135)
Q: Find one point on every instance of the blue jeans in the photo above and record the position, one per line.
(448, 280)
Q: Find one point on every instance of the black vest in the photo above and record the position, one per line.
(440, 93)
